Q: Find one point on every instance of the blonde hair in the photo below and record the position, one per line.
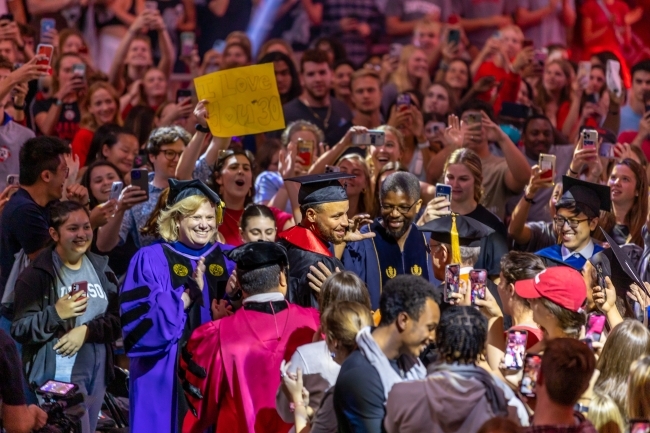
(396, 132)
(638, 389)
(168, 218)
(87, 119)
(401, 76)
(471, 160)
(365, 202)
(343, 320)
(605, 415)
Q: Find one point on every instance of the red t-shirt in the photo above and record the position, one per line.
(81, 144)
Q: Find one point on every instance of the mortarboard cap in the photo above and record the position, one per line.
(470, 232)
(181, 189)
(595, 196)
(257, 255)
(321, 188)
(621, 267)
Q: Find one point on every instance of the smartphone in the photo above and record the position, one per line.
(81, 286)
(370, 138)
(403, 101)
(453, 37)
(332, 169)
(306, 150)
(593, 98)
(547, 166)
(395, 50)
(183, 95)
(151, 5)
(639, 426)
(515, 350)
(589, 138)
(595, 326)
(474, 118)
(443, 190)
(613, 77)
(13, 179)
(584, 69)
(140, 178)
(57, 388)
(47, 24)
(646, 99)
(478, 284)
(527, 43)
(187, 43)
(606, 150)
(452, 280)
(116, 190)
(532, 364)
(7, 17)
(47, 51)
(540, 56)
(79, 70)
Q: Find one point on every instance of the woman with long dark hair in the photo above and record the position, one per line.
(286, 75)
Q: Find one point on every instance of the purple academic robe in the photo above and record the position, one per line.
(155, 323)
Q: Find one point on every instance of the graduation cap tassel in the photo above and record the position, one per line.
(455, 244)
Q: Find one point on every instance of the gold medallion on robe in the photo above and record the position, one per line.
(391, 272)
(180, 270)
(416, 270)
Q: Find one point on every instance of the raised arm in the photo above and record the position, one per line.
(331, 156)
(518, 172)
(167, 56)
(192, 152)
(314, 12)
(116, 73)
(518, 229)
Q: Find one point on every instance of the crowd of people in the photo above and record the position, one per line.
(450, 234)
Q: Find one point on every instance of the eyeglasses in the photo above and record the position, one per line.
(388, 208)
(573, 223)
(170, 155)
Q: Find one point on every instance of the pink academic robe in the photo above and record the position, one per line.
(240, 357)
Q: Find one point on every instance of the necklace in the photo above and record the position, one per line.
(325, 121)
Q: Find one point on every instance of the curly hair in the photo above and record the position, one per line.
(166, 135)
(404, 294)
(461, 335)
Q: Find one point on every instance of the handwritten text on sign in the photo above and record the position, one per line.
(242, 101)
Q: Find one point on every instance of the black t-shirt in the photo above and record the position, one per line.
(69, 119)
(25, 225)
(494, 246)
(11, 377)
(213, 28)
(359, 396)
(339, 120)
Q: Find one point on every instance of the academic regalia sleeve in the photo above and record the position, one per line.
(360, 258)
(201, 375)
(152, 312)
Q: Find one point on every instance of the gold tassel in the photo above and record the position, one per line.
(455, 244)
(220, 208)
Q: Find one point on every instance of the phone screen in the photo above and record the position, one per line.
(183, 95)
(452, 280)
(532, 364)
(547, 166)
(639, 426)
(56, 387)
(44, 50)
(443, 190)
(478, 283)
(515, 349)
(595, 326)
(305, 151)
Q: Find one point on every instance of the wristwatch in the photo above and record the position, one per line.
(581, 408)
(58, 103)
(201, 128)
(20, 107)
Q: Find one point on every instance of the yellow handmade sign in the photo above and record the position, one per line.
(242, 101)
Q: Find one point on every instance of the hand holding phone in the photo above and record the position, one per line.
(452, 281)
(443, 190)
(80, 287)
(547, 167)
(478, 284)
(45, 51)
(57, 388)
(140, 178)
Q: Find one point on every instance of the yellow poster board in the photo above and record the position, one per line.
(242, 101)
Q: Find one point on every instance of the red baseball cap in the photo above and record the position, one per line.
(561, 284)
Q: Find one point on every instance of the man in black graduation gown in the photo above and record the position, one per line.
(324, 225)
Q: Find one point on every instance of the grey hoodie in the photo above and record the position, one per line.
(444, 402)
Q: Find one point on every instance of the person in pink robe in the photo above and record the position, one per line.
(230, 367)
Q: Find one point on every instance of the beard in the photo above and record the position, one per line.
(397, 234)
(327, 234)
